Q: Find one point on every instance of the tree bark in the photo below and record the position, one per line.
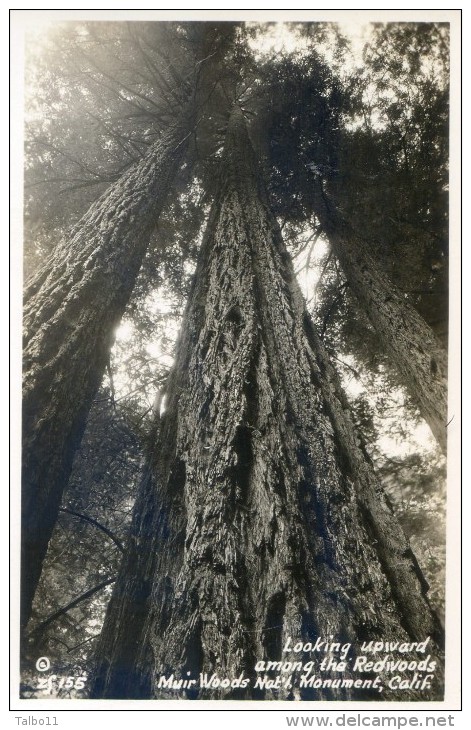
(406, 338)
(259, 517)
(71, 310)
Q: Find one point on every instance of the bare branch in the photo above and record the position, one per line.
(38, 630)
(97, 524)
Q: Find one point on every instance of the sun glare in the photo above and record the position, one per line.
(276, 38)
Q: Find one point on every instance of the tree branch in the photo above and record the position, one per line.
(332, 307)
(97, 524)
(83, 597)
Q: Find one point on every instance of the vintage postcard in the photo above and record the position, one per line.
(236, 484)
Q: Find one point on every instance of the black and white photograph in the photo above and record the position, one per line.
(233, 485)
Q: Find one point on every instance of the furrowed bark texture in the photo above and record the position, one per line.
(407, 339)
(71, 310)
(259, 516)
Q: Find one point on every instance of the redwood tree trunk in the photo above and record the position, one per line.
(259, 516)
(71, 310)
(407, 339)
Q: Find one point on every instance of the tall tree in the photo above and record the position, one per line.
(407, 339)
(259, 517)
(72, 307)
(319, 178)
(74, 303)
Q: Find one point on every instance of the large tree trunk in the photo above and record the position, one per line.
(71, 310)
(259, 516)
(410, 343)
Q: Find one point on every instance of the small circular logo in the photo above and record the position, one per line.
(43, 664)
